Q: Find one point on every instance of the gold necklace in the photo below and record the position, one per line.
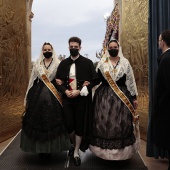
(114, 71)
(114, 67)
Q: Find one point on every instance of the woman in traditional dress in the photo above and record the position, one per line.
(113, 132)
(43, 130)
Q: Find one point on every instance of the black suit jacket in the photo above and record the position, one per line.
(161, 112)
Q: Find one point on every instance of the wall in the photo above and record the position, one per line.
(14, 65)
(134, 41)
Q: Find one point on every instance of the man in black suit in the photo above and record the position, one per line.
(79, 77)
(161, 112)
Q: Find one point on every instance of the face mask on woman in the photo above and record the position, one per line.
(47, 54)
(113, 52)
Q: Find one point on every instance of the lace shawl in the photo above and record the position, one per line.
(122, 68)
(39, 69)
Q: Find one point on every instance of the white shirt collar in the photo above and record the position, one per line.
(167, 50)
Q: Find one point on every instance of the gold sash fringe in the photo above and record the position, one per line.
(52, 88)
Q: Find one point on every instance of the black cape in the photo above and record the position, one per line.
(85, 71)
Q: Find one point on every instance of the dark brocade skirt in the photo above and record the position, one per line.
(58, 144)
(43, 129)
(112, 120)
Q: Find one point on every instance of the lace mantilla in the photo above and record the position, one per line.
(122, 68)
(39, 69)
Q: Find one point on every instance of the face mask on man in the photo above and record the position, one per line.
(74, 52)
(113, 52)
(47, 54)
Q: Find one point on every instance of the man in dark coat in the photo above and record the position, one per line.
(79, 77)
(161, 112)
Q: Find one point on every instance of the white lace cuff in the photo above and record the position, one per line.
(84, 91)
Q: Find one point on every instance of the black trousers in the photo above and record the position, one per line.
(74, 110)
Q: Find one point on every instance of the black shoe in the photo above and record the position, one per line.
(77, 161)
(71, 151)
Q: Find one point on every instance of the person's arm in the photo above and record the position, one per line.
(60, 87)
(74, 93)
(59, 82)
(131, 85)
(33, 79)
(135, 103)
(84, 91)
(95, 80)
(165, 73)
(130, 81)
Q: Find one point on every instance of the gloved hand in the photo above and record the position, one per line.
(84, 91)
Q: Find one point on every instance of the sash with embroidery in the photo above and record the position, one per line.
(49, 84)
(121, 95)
(51, 88)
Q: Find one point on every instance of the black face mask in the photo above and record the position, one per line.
(47, 54)
(74, 52)
(113, 52)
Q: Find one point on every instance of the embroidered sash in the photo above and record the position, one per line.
(51, 88)
(122, 96)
